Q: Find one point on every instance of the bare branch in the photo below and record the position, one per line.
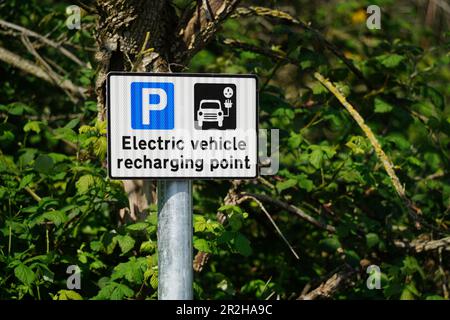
(273, 223)
(43, 39)
(31, 68)
(288, 19)
(387, 163)
(30, 192)
(56, 79)
(330, 286)
(260, 50)
(290, 208)
(413, 210)
(420, 245)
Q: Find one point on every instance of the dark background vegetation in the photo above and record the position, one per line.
(57, 208)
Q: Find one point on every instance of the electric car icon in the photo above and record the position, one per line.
(210, 111)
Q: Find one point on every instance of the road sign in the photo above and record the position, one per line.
(172, 125)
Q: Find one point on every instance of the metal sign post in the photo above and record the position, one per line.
(175, 128)
(175, 272)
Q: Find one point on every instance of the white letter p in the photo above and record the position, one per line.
(147, 106)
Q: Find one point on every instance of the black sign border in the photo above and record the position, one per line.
(159, 74)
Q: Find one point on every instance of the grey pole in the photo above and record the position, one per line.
(175, 273)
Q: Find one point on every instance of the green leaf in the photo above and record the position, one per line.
(411, 266)
(434, 297)
(318, 88)
(426, 108)
(67, 295)
(138, 226)
(96, 246)
(407, 295)
(435, 96)
(126, 243)
(399, 140)
(85, 183)
(202, 245)
(43, 164)
(305, 183)
(226, 237)
(26, 181)
(235, 221)
(72, 123)
(16, 108)
(57, 217)
(242, 245)
(32, 126)
(66, 134)
(283, 185)
(410, 292)
(199, 223)
(446, 196)
(58, 157)
(100, 147)
(316, 158)
(372, 239)
(154, 280)
(97, 264)
(331, 244)
(114, 291)
(147, 247)
(230, 208)
(329, 151)
(101, 127)
(295, 140)
(6, 136)
(390, 60)
(121, 291)
(382, 106)
(352, 258)
(27, 156)
(24, 274)
(132, 270)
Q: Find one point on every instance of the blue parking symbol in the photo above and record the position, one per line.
(152, 105)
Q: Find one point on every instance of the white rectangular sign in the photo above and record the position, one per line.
(182, 125)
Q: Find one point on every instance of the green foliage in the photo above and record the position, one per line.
(67, 295)
(57, 208)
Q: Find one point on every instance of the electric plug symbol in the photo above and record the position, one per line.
(228, 93)
(228, 104)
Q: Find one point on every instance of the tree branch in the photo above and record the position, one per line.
(201, 27)
(290, 208)
(330, 286)
(273, 223)
(260, 50)
(386, 162)
(56, 78)
(420, 245)
(287, 18)
(31, 68)
(43, 39)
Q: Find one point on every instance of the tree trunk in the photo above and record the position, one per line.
(122, 29)
(147, 35)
